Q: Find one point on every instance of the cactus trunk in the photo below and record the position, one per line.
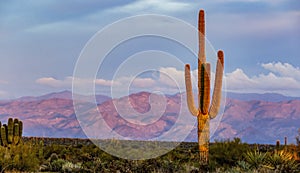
(203, 138)
(208, 109)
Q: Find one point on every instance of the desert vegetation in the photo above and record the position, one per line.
(81, 155)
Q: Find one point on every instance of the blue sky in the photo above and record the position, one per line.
(40, 42)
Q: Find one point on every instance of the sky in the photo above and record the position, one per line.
(41, 42)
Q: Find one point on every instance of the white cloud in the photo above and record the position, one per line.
(153, 6)
(283, 69)
(237, 80)
(271, 2)
(67, 82)
(103, 82)
(50, 81)
(143, 82)
(283, 78)
(172, 77)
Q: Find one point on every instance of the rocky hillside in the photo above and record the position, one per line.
(254, 121)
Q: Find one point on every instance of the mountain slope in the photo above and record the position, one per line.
(270, 97)
(260, 121)
(253, 121)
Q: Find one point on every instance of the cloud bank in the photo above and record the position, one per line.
(282, 78)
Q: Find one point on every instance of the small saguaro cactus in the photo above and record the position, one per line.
(207, 110)
(11, 133)
(285, 141)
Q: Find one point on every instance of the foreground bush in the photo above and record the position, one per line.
(20, 157)
(227, 153)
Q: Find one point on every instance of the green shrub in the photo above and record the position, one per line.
(22, 157)
(227, 153)
(282, 161)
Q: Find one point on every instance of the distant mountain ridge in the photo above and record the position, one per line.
(61, 95)
(270, 97)
(254, 121)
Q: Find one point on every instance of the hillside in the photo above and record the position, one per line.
(254, 121)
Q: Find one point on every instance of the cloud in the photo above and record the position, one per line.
(67, 82)
(168, 80)
(283, 69)
(238, 77)
(282, 78)
(271, 2)
(143, 82)
(102, 82)
(161, 6)
(50, 81)
(172, 77)
(82, 20)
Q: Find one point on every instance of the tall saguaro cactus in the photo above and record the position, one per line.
(207, 109)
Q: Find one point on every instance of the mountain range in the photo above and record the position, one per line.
(255, 118)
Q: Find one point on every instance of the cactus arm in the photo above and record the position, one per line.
(4, 135)
(217, 93)
(10, 130)
(189, 90)
(16, 134)
(205, 89)
(21, 129)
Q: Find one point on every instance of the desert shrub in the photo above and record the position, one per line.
(57, 165)
(227, 153)
(53, 148)
(282, 161)
(22, 157)
(298, 143)
(255, 159)
(277, 161)
(71, 167)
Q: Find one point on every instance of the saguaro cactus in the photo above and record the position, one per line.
(11, 133)
(207, 110)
